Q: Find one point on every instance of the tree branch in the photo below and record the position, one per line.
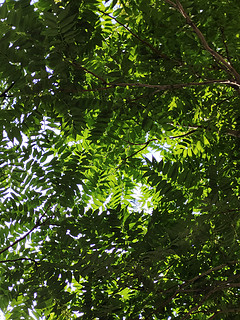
(198, 305)
(232, 310)
(19, 259)
(136, 152)
(234, 133)
(183, 135)
(38, 224)
(225, 44)
(175, 86)
(212, 270)
(67, 90)
(139, 144)
(159, 87)
(178, 6)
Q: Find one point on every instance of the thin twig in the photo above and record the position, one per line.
(178, 6)
(225, 44)
(159, 87)
(139, 144)
(212, 270)
(69, 90)
(198, 305)
(18, 259)
(136, 152)
(184, 135)
(38, 224)
(187, 283)
(232, 310)
(163, 87)
(155, 50)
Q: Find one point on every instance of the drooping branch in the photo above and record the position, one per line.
(38, 224)
(178, 6)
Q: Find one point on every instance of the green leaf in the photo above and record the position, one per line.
(93, 224)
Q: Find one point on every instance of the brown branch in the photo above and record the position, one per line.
(219, 287)
(164, 87)
(183, 135)
(172, 3)
(229, 132)
(38, 224)
(159, 87)
(178, 6)
(67, 90)
(134, 153)
(234, 133)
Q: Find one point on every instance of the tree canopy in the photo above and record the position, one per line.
(119, 168)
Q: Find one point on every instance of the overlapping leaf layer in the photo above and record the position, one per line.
(119, 168)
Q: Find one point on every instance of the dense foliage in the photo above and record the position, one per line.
(92, 225)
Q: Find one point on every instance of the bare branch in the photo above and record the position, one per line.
(67, 90)
(234, 133)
